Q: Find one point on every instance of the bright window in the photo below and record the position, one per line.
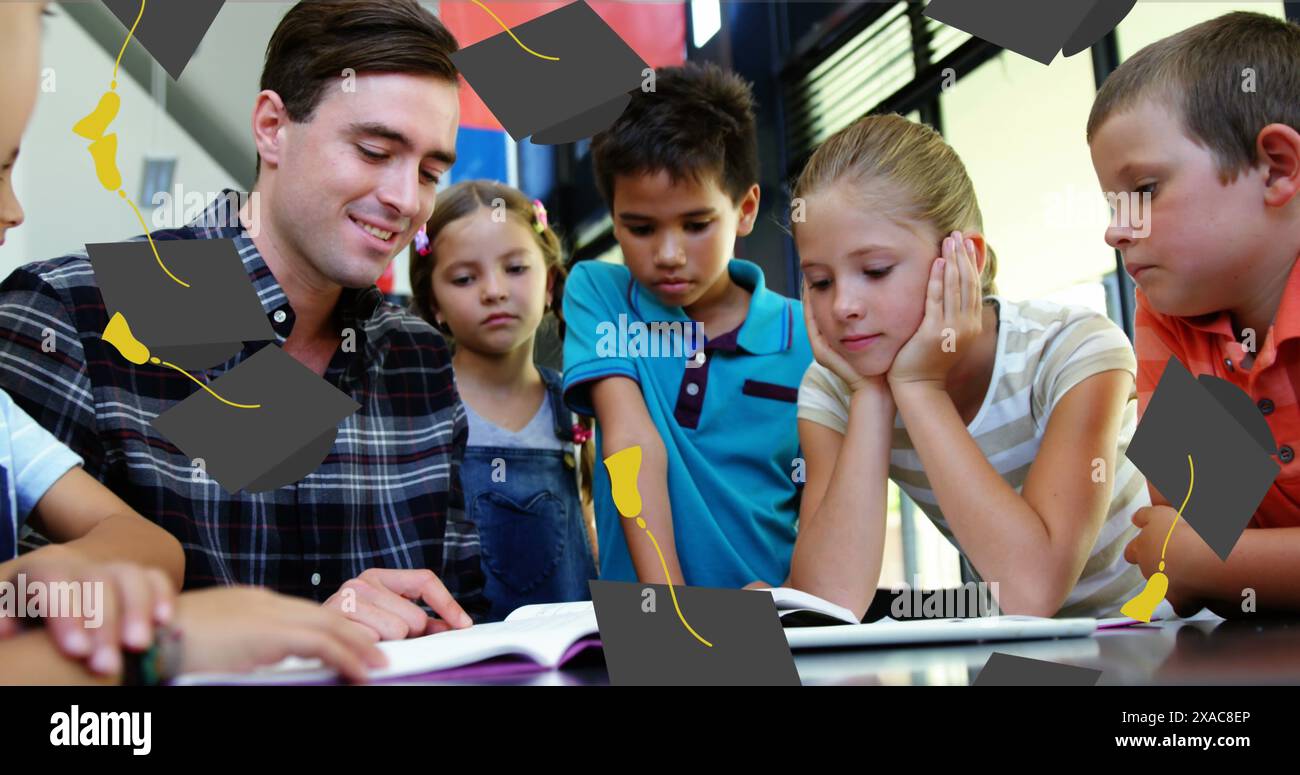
(1149, 22)
(706, 20)
(1019, 128)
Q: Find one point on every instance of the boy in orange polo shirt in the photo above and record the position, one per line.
(1205, 122)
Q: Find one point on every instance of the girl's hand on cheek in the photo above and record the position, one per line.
(826, 355)
(953, 317)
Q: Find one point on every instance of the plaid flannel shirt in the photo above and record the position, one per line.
(387, 495)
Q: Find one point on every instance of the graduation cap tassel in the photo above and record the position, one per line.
(149, 237)
(204, 386)
(118, 333)
(1144, 605)
(103, 148)
(512, 34)
(623, 467)
(130, 34)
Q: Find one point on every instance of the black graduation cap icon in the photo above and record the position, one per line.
(646, 644)
(192, 304)
(1010, 670)
(170, 30)
(577, 86)
(282, 425)
(1231, 448)
(1033, 28)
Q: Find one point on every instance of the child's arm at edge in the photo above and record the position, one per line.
(1263, 561)
(32, 657)
(85, 518)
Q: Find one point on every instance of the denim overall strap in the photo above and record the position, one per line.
(560, 414)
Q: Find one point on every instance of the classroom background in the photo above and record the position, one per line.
(1018, 126)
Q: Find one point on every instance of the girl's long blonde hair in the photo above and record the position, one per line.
(922, 176)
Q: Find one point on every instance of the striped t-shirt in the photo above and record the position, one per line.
(1044, 349)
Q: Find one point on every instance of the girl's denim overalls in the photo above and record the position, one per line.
(525, 503)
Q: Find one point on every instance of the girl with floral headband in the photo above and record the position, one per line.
(485, 270)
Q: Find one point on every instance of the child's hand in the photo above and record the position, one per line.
(826, 356)
(953, 317)
(125, 603)
(233, 629)
(1182, 558)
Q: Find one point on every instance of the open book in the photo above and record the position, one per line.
(814, 623)
(801, 609)
(546, 637)
(534, 637)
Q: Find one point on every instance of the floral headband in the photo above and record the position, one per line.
(539, 210)
(422, 242)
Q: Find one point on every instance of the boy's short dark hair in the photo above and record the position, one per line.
(1202, 73)
(698, 121)
(316, 42)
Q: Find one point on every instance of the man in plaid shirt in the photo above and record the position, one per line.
(355, 123)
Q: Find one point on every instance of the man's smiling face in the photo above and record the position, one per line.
(354, 182)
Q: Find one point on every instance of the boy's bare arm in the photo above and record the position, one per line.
(84, 517)
(1262, 569)
(625, 422)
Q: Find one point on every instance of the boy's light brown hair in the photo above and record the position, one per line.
(1205, 74)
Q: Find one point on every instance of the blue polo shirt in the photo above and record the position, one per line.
(729, 424)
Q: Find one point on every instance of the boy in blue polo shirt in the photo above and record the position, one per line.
(718, 432)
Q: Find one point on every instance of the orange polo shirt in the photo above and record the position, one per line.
(1206, 345)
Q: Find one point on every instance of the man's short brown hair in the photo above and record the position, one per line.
(318, 40)
(1204, 73)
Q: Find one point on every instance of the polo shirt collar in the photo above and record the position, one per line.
(768, 326)
(1287, 323)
